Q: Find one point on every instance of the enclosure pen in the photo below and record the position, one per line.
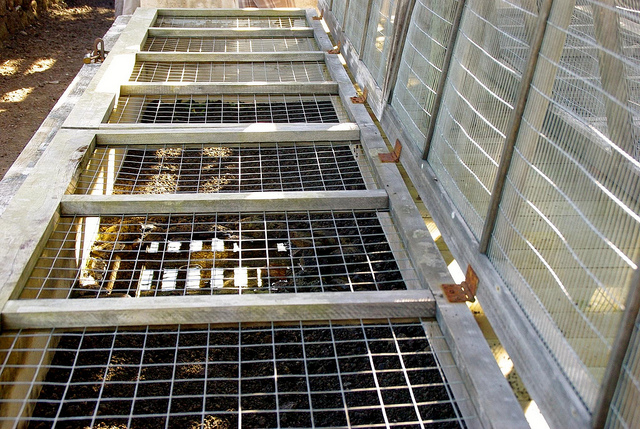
(220, 246)
(280, 71)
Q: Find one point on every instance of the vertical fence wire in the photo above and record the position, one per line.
(624, 411)
(355, 22)
(339, 9)
(421, 65)
(568, 228)
(378, 40)
(482, 87)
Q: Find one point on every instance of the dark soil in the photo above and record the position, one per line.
(279, 253)
(251, 377)
(37, 65)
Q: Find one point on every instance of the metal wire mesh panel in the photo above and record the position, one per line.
(329, 374)
(568, 229)
(229, 168)
(228, 109)
(229, 44)
(378, 40)
(624, 411)
(480, 92)
(229, 22)
(339, 8)
(421, 65)
(89, 257)
(356, 19)
(281, 71)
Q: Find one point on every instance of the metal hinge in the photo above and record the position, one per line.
(360, 99)
(465, 291)
(392, 156)
(98, 55)
(335, 50)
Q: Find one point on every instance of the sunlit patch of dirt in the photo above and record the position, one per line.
(16, 96)
(39, 62)
(41, 65)
(10, 67)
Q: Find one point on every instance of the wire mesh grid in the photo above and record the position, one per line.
(229, 44)
(339, 8)
(624, 411)
(355, 22)
(225, 168)
(230, 21)
(280, 71)
(327, 374)
(421, 66)
(378, 42)
(284, 252)
(568, 229)
(228, 109)
(479, 96)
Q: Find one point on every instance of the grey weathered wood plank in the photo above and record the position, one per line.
(229, 133)
(196, 309)
(239, 33)
(244, 57)
(97, 205)
(28, 220)
(189, 88)
(265, 133)
(225, 12)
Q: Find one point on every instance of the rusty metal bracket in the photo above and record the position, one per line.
(360, 99)
(335, 50)
(465, 291)
(319, 18)
(98, 55)
(392, 156)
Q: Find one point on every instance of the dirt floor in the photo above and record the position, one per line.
(37, 65)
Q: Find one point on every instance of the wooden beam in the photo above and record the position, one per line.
(235, 57)
(222, 12)
(240, 33)
(98, 205)
(189, 88)
(197, 309)
(121, 134)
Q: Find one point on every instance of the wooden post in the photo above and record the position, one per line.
(514, 128)
(443, 78)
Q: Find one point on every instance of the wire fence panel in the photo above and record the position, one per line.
(421, 65)
(356, 18)
(229, 44)
(624, 411)
(354, 374)
(220, 253)
(179, 169)
(378, 41)
(479, 96)
(207, 71)
(568, 228)
(228, 109)
(339, 8)
(229, 22)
